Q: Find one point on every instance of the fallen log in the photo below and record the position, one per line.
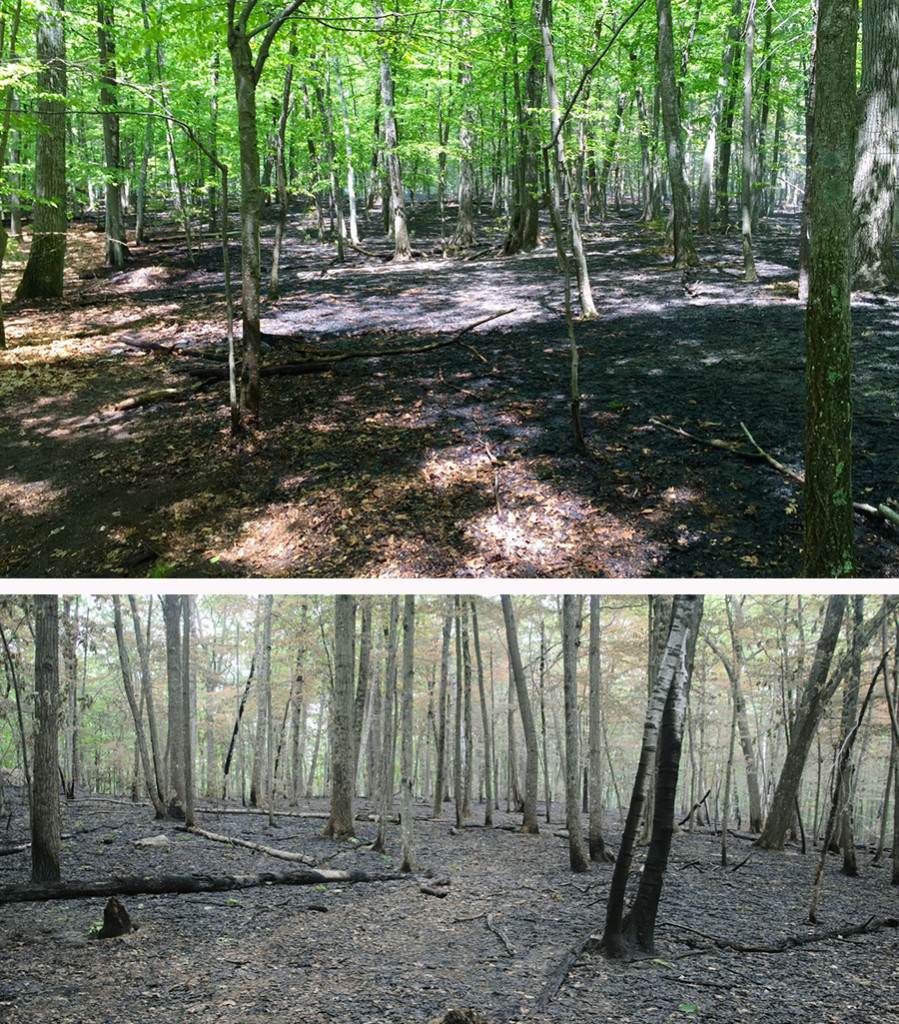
(270, 851)
(135, 885)
(873, 924)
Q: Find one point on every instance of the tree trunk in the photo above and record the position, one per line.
(409, 862)
(684, 251)
(729, 79)
(116, 249)
(44, 799)
(388, 742)
(874, 263)
(340, 823)
(577, 853)
(529, 824)
(43, 276)
(176, 755)
(659, 755)
(749, 144)
(598, 850)
(848, 727)
(485, 718)
(402, 249)
(146, 688)
(440, 779)
(829, 548)
(281, 171)
(125, 664)
(524, 228)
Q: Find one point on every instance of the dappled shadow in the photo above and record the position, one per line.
(455, 462)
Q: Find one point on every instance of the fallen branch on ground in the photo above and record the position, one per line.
(695, 807)
(873, 924)
(880, 511)
(270, 851)
(500, 934)
(557, 979)
(133, 885)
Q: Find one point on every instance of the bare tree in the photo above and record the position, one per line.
(44, 795)
(529, 824)
(340, 824)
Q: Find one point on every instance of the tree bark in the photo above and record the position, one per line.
(116, 249)
(829, 548)
(43, 276)
(659, 755)
(44, 799)
(874, 264)
(577, 853)
(598, 851)
(485, 718)
(529, 824)
(402, 249)
(684, 251)
(749, 146)
(340, 823)
(406, 759)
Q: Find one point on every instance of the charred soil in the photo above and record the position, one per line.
(456, 462)
(388, 953)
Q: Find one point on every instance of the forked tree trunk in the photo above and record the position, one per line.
(659, 756)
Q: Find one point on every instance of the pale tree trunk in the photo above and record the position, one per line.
(127, 683)
(529, 823)
(440, 780)
(281, 171)
(734, 668)
(176, 755)
(684, 251)
(363, 684)
(402, 249)
(388, 741)
(846, 832)
(43, 276)
(44, 799)
(340, 824)
(659, 616)
(146, 687)
(116, 249)
(409, 862)
(749, 271)
(457, 716)
(465, 682)
(547, 788)
(829, 548)
(188, 710)
(659, 756)
(464, 234)
(598, 850)
(70, 691)
(874, 263)
(259, 779)
(485, 718)
(725, 135)
(562, 191)
(350, 172)
(577, 853)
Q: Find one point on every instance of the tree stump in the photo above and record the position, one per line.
(116, 921)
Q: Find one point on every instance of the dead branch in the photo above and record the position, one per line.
(873, 924)
(500, 934)
(270, 851)
(695, 807)
(133, 885)
(557, 979)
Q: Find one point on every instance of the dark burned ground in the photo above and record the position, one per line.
(385, 953)
(437, 464)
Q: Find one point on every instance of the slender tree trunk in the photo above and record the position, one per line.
(749, 271)
(684, 251)
(409, 861)
(388, 743)
(577, 853)
(281, 170)
(340, 823)
(485, 718)
(44, 799)
(440, 780)
(598, 851)
(125, 663)
(848, 727)
(529, 824)
(176, 797)
(402, 249)
(116, 249)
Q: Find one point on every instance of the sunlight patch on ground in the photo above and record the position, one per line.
(27, 498)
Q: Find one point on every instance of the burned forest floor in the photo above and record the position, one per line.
(499, 943)
(455, 462)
